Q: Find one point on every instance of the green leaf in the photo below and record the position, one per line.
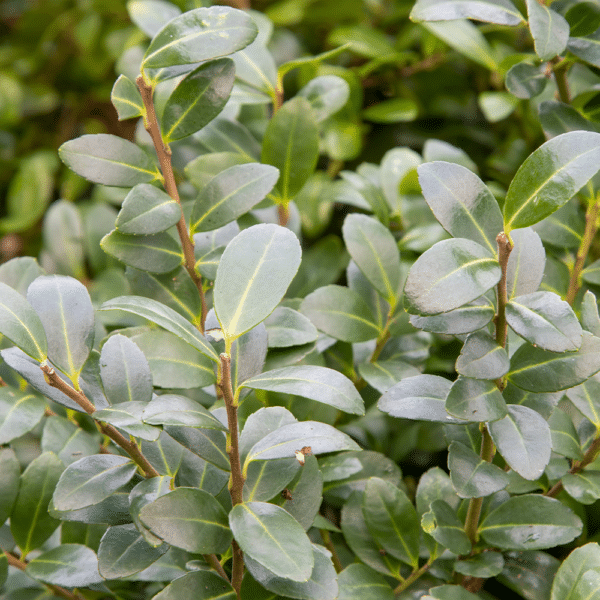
(19, 413)
(21, 325)
(471, 476)
(309, 61)
(147, 210)
(110, 160)
(10, 472)
(123, 551)
(223, 135)
(550, 31)
(461, 202)
(359, 582)
(169, 409)
(317, 383)
(392, 520)
(572, 569)
(482, 358)
(341, 313)
(253, 275)
(449, 275)
(287, 327)
(486, 565)
(384, 374)
(524, 441)
(287, 440)
(526, 263)
(529, 572)
(190, 519)
(267, 478)
(68, 440)
(374, 250)
(583, 486)
(164, 317)
(126, 98)
(538, 370)
(530, 522)
(262, 422)
(208, 444)
(128, 417)
(151, 15)
(557, 118)
(501, 12)
(497, 106)
(525, 80)
(143, 493)
(92, 479)
(475, 400)
(546, 321)
(198, 585)
(256, 71)
(231, 194)
(586, 398)
(273, 538)
(583, 18)
(3, 569)
(30, 523)
(395, 110)
(327, 94)
(291, 143)
(444, 526)
(591, 274)
(156, 253)
(198, 99)
(71, 565)
(550, 177)
(565, 440)
(590, 319)
(124, 371)
(199, 35)
(466, 319)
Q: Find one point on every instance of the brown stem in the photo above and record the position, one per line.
(163, 153)
(560, 68)
(283, 212)
(591, 228)
(335, 559)
(504, 250)
(214, 562)
(80, 399)
(411, 579)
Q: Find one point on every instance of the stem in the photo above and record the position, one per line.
(335, 559)
(504, 250)
(236, 481)
(163, 153)
(214, 562)
(560, 68)
(80, 398)
(411, 579)
(283, 212)
(591, 228)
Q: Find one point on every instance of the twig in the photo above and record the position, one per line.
(214, 562)
(335, 559)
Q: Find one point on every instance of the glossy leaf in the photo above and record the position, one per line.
(143, 493)
(273, 538)
(151, 15)
(198, 99)
(486, 564)
(110, 160)
(198, 585)
(572, 569)
(590, 319)
(584, 486)
(190, 519)
(529, 572)
(21, 325)
(359, 582)
(586, 398)
(71, 565)
(287, 327)
(10, 472)
(19, 413)
(67, 440)
(128, 417)
(267, 478)
(523, 438)
(501, 12)
(526, 263)
(165, 317)
(253, 275)
(255, 67)
(230, 194)
(550, 30)
(198, 35)
(384, 374)
(126, 98)
(550, 177)
(169, 409)
(525, 80)
(92, 479)
(530, 522)
(475, 400)
(482, 358)
(468, 318)
(449, 275)
(545, 321)
(223, 135)
(146, 210)
(461, 202)
(471, 476)
(317, 383)
(327, 94)
(444, 526)
(262, 422)
(538, 370)
(565, 440)
(291, 143)
(208, 444)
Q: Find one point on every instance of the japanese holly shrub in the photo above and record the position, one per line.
(223, 419)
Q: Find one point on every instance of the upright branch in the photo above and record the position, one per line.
(81, 400)
(504, 249)
(163, 153)
(560, 67)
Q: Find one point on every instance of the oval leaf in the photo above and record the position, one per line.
(526, 263)
(572, 570)
(146, 210)
(482, 358)
(126, 98)
(550, 31)
(198, 585)
(71, 565)
(128, 417)
(475, 400)
(287, 327)
(501, 12)
(169, 409)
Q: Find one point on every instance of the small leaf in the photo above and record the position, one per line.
(394, 110)
(501, 12)
(475, 400)
(526, 263)
(525, 80)
(198, 585)
(287, 327)
(10, 472)
(317, 383)
(482, 358)
(190, 519)
(231, 194)
(253, 275)
(384, 374)
(169, 409)
(327, 94)
(199, 35)
(19, 413)
(486, 564)
(126, 98)
(550, 177)
(198, 99)
(444, 526)
(572, 570)
(151, 15)
(449, 275)
(586, 398)
(468, 318)
(110, 160)
(128, 417)
(147, 210)
(565, 440)
(359, 582)
(550, 31)
(583, 486)
(71, 565)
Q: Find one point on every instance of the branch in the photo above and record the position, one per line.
(560, 69)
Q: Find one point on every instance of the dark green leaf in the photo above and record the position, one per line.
(10, 472)
(395, 110)
(442, 523)
(485, 565)
(530, 522)
(526, 263)
(92, 479)
(223, 135)
(143, 493)
(287, 327)
(3, 568)
(449, 275)
(146, 210)
(19, 413)
(261, 423)
(30, 523)
(169, 409)
(230, 194)
(525, 80)
(501, 12)
(198, 585)
(291, 143)
(550, 31)
(198, 99)
(586, 398)
(359, 582)
(557, 118)
(482, 358)
(126, 98)
(538, 370)
(584, 486)
(273, 538)
(128, 417)
(71, 565)
(450, 592)
(198, 35)
(583, 18)
(190, 519)
(565, 440)
(110, 160)
(523, 438)
(317, 383)
(471, 476)
(253, 275)
(208, 444)
(67, 440)
(384, 374)
(572, 569)
(550, 177)
(466, 319)
(475, 400)
(267, 478)
(529, 573)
